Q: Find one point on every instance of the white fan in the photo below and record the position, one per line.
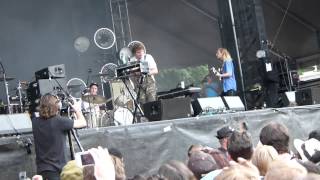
(104, 38)
(108, 71)
(76, 87)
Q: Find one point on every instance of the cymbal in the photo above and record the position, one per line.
(7, 78)
(94, 99)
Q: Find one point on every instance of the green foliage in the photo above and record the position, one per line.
(169, 78)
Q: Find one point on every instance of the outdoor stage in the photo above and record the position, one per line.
(146, 146)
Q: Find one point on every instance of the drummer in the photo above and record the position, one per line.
(91, 110)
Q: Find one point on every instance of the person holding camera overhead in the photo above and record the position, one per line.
(49, 132)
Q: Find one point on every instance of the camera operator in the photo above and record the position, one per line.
(49, 132)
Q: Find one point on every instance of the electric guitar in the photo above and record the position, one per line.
(216, 72)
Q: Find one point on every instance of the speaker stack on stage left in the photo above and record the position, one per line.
(51, 80)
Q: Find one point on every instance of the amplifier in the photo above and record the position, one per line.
(55, 71)
(308, 96)
(165, 109)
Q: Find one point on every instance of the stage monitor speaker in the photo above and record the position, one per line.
(165, 109)
(208, 104)
(11, 124)
(234, 103)
(55, 71)
(308, 96)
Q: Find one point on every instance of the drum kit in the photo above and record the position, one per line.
(16, 103)
(94, 107)
(121, 114)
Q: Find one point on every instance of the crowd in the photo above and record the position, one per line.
(237, 158)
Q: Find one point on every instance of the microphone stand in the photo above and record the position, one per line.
(6, 88)
(88, 77)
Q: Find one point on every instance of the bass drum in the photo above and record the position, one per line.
(120, 117)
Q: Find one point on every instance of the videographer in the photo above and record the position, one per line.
(49, 132)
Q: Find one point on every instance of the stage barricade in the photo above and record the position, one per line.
(146, 146)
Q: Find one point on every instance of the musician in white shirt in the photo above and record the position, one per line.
(149, 68)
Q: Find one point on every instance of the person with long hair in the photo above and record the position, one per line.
(49, 132)
(227, 74)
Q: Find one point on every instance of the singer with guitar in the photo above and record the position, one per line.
(226, 74)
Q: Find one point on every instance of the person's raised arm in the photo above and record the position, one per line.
(80, 121)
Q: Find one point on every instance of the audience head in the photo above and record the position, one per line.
(201, 163)
(71, 171)
(263, 156)
(240, 145)
(287, 170)
(119, 168)
(223, 135)
(175, 170)
(276, 135)
(194, 148)
(115, 152)
(243, 171)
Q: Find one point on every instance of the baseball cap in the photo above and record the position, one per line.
(224, 132)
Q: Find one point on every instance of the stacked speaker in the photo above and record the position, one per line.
(183, 107)
(51, 80)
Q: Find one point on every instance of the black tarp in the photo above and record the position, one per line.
(146, 146)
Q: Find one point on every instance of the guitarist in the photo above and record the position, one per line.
(227, 74)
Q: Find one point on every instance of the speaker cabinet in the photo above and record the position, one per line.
(52, 86)
(166, 109)
(234, 103)
(202, 105)
(308, 96)
(56, 71)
